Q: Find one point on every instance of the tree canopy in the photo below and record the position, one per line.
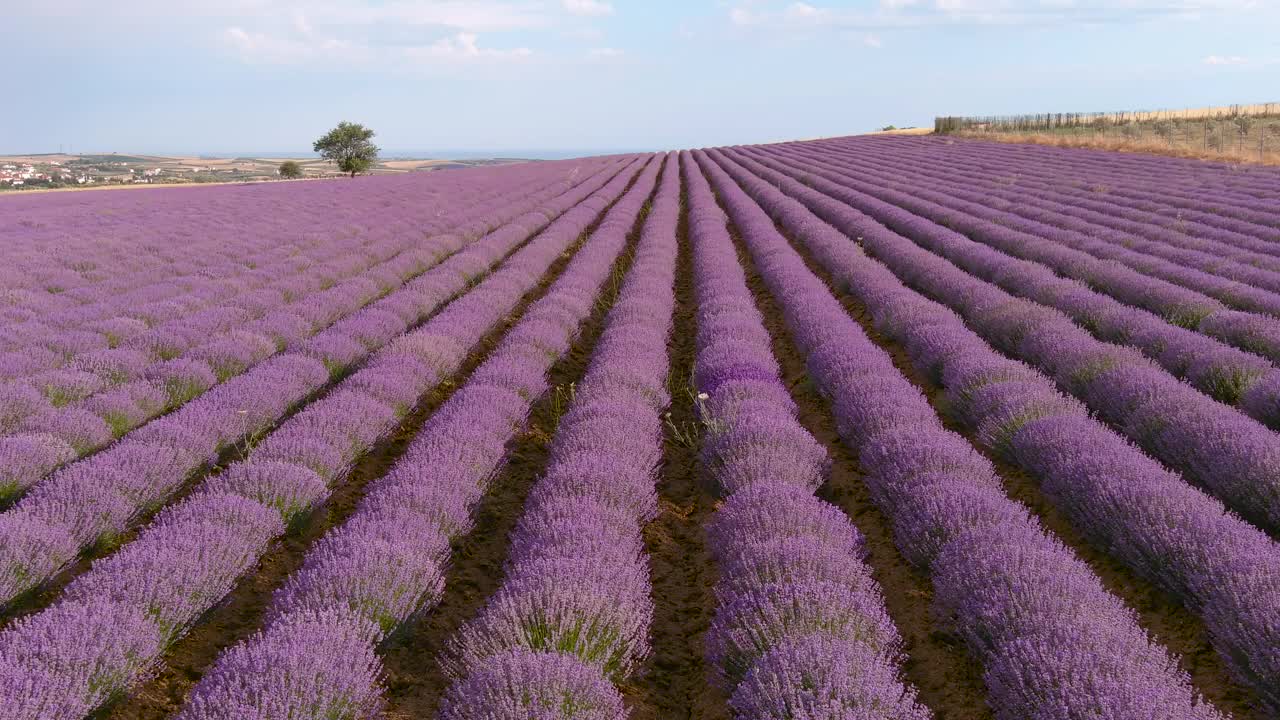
(290, 170)
(349, 145)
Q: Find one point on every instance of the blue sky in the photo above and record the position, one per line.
(259, 75)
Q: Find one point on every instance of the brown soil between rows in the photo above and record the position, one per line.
(1168, 621)
(243, 610)
(46, 593)
(411, 657)
(949, 681)
(415, 680)
(675, 685)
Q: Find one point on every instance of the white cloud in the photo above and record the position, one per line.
(590, 8)
(465, 16)
(395, 34)
(263, 47)
(890, 14)
(601, 53)
(1225, 60)
(588, 33)
(244, 40)
(300, 23)
(363, 33)
(804, 12)
(257, 47)
(745, 17)
(872, 41)
(460, 15)
(463, 46)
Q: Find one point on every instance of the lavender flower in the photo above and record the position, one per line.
(818, 677)
(526, 685)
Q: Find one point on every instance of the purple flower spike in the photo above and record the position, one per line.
(182, 379)
(93, 648)
(385, 563)
(307, 665)
(764, 511)
(817, 678)
(17, 401)
(33, 546)
(525, 685)
(380, 567)
(748, 626)
(290, 489)
(1054, 642)
(79, 428)
(593, 610)
(26, 458)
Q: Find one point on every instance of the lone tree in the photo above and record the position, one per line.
(290, 170)
(348, 145)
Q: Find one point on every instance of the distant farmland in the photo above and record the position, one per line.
(1238, 133)
(881, 427)
(111, 169)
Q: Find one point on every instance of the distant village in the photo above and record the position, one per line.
(19, 175)
(70, 171)
(31, 172)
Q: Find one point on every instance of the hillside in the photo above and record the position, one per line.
(1235, 133)
(893, 427)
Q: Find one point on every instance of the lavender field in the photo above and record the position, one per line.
(862, 428)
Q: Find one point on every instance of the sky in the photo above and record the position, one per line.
(227, 76)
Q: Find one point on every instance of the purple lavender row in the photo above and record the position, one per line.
(43, 355)
(1089, 212)
(117, 347)
(1224, 254)
(1144, 169)
(1168, 532)
(1229, 375)
(1226, 190)
(1255, 333)
(1225, 376)
(800, 628)
(244, 392)
(169, 327)
(132, 329)
(149, 297)
(135, 603)
(50, 437)
(1052, 641)
(120, 383)
(1183, 296)
(1232, 455)
(156, 328)
(151, 301)
(28, 457)
(572, 616)
(100, 496)
(60, 415)
(386, 563)
(1010, 232)
(93, 258)
(1163, 199)
(188, 309)
(1188, 212)
(62, 336)
(1166, 190)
